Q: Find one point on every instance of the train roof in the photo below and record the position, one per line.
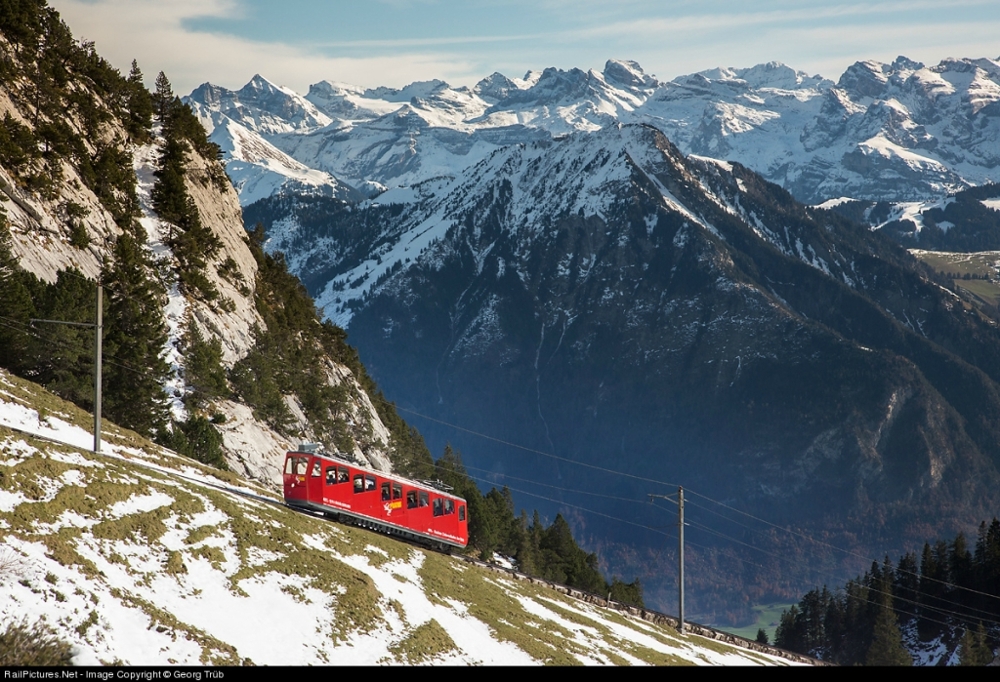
(354, 465)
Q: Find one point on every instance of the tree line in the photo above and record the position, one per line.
(951, 589)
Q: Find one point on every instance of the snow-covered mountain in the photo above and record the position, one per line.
(605, 299)
(884, 131)
(899, 131)
(387, 137)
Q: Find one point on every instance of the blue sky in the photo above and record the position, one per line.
(394, 42)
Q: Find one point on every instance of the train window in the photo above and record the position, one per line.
(449, 507)
(425, 500)
(359, 483)
(331, 475)
(289, 463)
(461, 512)
(438, 507)
(343, 475)
(411, 499)
(317, 469)
(397, 491)
(369, 483)
(385, 492)
(300, 465)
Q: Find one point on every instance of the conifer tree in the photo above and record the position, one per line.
(887, 640)
(163, 96)
(139, 104)
(64, 360)
(974, 648)
(203, 371)
(16, 305)
(134, 339)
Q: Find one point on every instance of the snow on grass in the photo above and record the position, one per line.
(135, 563)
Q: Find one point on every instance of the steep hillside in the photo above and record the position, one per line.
(608, 301)
(209, 344)
(143, 557)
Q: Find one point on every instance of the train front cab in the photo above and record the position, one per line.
(297, 481)
(321, 484)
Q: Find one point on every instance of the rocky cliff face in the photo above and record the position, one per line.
(60, 214)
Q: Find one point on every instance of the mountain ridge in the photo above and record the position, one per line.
(896, 131)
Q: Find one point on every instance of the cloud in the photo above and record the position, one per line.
(668, 40)
(155, 33)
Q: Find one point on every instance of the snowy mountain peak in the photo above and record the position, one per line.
(780, 76)
(865, 79)
(260, 84)
(261, 106)
(419, 89)
(495, 87)
(628, 74)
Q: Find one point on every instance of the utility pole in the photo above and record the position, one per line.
(680, 551)
(98, 350)
(98, 326)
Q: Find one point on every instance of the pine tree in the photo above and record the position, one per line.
(63, 361)
(972, 650)
(16, 305)
(887, 640)
(139, 104)
(203, 371)
(134, 340)
(163, 97)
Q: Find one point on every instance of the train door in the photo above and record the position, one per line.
(366, 495)
(314, 481)
(463, 522)
(392, 503)
(296, 477)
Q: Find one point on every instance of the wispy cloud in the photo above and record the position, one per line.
(668, 39)
(155, 33)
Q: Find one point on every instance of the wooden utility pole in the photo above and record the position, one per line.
(98, 348)
(98, 326)
(680, 551)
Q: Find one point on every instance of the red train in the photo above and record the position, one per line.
(390, 504)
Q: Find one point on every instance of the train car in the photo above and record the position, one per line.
(397, 506)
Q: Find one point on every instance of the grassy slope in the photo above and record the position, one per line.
(138, 564)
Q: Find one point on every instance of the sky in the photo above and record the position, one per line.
(395, 42)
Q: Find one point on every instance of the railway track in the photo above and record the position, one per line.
(588, 597)
(649, 615)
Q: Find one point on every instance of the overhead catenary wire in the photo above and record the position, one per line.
(989, 616)
(783, 529)
(36, 333)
